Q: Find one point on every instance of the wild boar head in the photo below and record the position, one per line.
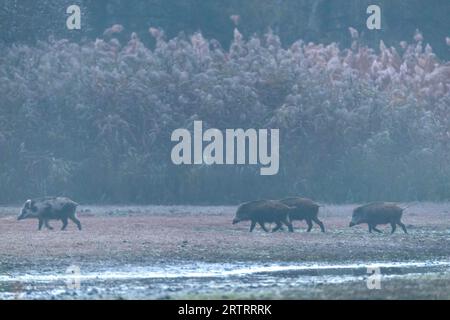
(242, 214)
(28, 211)
(358, 217)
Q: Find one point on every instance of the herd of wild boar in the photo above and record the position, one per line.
(287, 210)
(290, 209)
(281, 212)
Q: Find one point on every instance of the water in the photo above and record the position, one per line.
(184, 279)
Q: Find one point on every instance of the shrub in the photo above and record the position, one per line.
(93, 120)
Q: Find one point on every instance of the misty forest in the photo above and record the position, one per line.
(88, 114)
(224, 150)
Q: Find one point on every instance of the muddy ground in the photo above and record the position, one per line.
(120, 238)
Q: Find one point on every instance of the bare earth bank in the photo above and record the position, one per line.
(117, 237)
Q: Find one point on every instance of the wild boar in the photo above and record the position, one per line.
(378, 213)
(305, 209)
(262, 211)
(50, 208)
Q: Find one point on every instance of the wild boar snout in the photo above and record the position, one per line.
(22, 215)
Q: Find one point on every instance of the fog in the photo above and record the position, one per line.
(135, 135)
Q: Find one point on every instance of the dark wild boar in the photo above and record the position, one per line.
(305, 209)
(378, 213)
(50, 208)
(263, 211)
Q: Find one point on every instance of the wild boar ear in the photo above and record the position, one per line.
(33, 206)
(27, 204)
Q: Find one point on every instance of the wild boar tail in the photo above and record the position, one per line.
(72, 205)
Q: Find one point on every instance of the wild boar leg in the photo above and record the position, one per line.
(252, 226)
(310, 225)
(41, 222)
(402, 226)
(289, 225)
(320, 223)
(47, 225)
(76, 221)
(263, 226)
(393, 226)
(64, 221)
